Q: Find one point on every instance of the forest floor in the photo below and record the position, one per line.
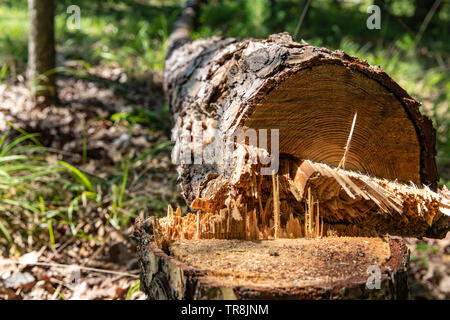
(94, 126)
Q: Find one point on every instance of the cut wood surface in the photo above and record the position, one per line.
(331, 268)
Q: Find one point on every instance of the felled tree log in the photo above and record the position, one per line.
(310, 94)
(220, 86)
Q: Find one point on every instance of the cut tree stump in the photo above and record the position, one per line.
(355, 164)
(329, 268)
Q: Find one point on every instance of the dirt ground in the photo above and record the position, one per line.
(429, 272)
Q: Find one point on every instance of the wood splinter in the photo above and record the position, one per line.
(347, 145)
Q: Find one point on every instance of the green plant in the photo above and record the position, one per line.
(152, 119)
(133, 288)
(424, 247)
(3, 71)
(77, 174)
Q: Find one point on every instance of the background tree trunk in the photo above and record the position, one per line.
(41, 48)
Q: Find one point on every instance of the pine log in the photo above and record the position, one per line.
(310, 95)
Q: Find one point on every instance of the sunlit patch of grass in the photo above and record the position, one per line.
(130, 33)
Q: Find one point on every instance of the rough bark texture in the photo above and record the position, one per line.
(41, 46)
(163, 276)
(228, 84)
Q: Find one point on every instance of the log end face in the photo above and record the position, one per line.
(313, 111)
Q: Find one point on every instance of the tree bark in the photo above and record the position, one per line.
(180, 34)
(41, 48)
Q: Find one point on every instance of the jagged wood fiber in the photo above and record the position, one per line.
(310, 199)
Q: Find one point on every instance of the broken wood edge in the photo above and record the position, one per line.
(380, 206)
(165, 277)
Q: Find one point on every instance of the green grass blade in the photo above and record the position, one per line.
(23, 132)
(3, 71)
(2, 140)
(10, 146)
(135, 287)
(22, 204)
(124, 182)
(6, 233)
(51, 234)
(82, 179)
(13, 158)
